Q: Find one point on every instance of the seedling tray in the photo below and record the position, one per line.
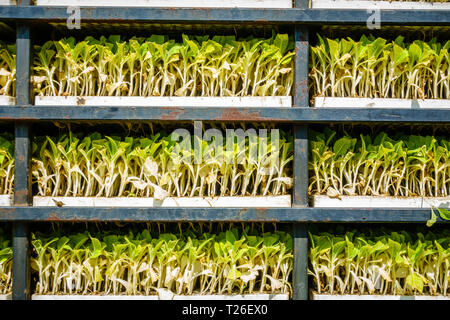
(323, 201)
(389, 5)
(316, 296)
(7, 100)
(331, 102)
(276, 101)
(171, 3)
(165, 297)
(217, 202)
(6, 200)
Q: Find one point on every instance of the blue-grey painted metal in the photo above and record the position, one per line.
(227, 15)
(300, 199)
(301, 175)
(301, 93)
(265, 114)
(289, 215)
(22, 168)
(300, 272)
(22, 171)
(21, 262)
(23, 61)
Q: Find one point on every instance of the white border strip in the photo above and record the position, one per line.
(8, 2)
(171, 3)
(316, 296)
(6, 200)
(4, 297)
(281, 296)
(331, 102)
(7, 100)
(283, 201)
(277, 101)
(323, 201)
(389, 5)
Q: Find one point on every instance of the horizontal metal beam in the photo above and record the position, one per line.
(292, 215)
(229, 15)
(293, 115)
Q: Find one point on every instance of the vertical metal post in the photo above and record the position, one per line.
(21, 262)
(22, 172)
(300, 166)
(300, 199)
(301, 94)
(301, 179)
(300, 272)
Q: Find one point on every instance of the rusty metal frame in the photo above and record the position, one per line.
(294, 115)
(226, 15)
(179, 214)
(24, 113)
(22, 171)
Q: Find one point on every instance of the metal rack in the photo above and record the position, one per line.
(299, 215)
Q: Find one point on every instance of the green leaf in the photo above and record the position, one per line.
(230, 237)
(342, 146)
(444, 213)
(433, 218)
(415, 281)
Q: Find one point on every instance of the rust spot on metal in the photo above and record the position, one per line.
(261, 214)
(172, 114)
(53, 217)
(22, 196)
(236, 114)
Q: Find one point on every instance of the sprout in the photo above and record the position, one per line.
(6, 163)
(234, 260)
(7, 69)
(6, 255)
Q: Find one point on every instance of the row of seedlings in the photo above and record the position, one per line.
(193, 71)
(379, 263)
(379, 166)
(192, 261)
(160, 165)
(371, 72)
(226, 261)
(229, 165)
(374, 72)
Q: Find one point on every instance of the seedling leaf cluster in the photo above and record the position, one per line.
(195, 260)
(159, 66)
(383, 165)
(380, 262)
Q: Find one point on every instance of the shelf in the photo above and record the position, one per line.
(266, 114)
(300, 22)
(234, 15)
(288, 215)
